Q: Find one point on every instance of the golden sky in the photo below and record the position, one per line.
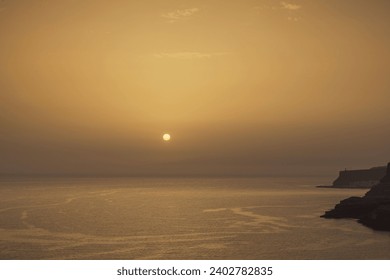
(243, 86)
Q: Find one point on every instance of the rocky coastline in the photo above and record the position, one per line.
(355, 179)
(372, 210)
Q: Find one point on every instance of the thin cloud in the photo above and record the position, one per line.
(282, 6)
(295, 19)
(290, 6)
(189, 55)
(180, 14)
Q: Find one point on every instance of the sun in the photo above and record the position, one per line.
(166, 137)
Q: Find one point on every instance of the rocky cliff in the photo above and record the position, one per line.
(363, 178)
(372, 210)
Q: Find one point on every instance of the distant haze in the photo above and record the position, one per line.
(245, 87)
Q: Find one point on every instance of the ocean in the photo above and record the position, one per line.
(179, 218)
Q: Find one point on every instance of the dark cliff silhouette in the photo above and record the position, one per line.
(363, 178)
(372, 210)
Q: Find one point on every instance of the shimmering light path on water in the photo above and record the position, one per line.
(172, 218)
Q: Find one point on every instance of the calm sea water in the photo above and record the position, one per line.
(180, 218)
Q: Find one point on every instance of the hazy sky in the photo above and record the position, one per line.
(243, 86)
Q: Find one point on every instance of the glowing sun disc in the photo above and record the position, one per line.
(166, 137)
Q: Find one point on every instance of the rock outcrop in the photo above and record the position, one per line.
(363, 178)
(372, 210)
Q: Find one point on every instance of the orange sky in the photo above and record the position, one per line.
(244, 87)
